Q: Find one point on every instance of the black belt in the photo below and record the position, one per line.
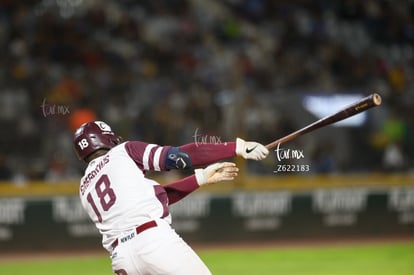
(138, 229)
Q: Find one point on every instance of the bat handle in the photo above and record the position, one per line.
(284, 139)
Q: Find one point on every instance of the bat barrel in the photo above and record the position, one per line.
(362, 105)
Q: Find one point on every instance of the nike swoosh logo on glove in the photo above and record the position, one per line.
(249, 150)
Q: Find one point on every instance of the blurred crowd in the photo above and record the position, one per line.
(172, 71)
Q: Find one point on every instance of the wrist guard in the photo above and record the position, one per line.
(177, 159)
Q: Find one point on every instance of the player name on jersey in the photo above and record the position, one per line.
(91, 175)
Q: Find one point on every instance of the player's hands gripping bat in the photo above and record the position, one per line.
(251, 149)
(223, 171)
(362, 105)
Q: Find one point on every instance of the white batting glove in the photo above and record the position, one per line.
(223, 171)
(251, 150)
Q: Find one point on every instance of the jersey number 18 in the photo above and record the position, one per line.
(105, 194)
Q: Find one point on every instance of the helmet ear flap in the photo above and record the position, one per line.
(118, 140)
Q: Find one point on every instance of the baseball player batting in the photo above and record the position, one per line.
(131, 211)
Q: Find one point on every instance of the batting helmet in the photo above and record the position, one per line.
(92, 136)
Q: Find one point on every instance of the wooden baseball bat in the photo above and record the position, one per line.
(360, 106)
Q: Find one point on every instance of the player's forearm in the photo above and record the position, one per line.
(203, 154)
(180, 189)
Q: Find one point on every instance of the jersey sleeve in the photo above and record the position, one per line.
(180, 189)
(148, 157)
(207, 153)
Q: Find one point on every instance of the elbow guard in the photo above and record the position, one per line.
(177, 159)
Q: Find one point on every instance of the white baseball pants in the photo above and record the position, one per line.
(157, 250)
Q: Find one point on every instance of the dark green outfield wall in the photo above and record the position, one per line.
(59, 222)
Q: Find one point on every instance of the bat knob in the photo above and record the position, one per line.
(376, 98)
